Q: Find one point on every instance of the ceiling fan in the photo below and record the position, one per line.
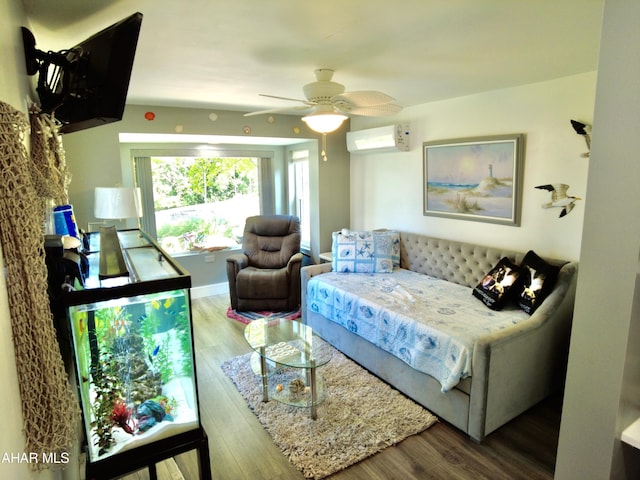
(330, 104)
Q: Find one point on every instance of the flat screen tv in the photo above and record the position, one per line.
(86, 86)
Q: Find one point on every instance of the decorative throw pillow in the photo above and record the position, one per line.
(393, 238)
(537, 280)
(494, 287)
(362, 252)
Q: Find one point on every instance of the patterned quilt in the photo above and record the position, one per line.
(431, 324)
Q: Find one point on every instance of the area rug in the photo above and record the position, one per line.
(360, 416)
(248, 317)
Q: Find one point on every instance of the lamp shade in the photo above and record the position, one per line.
(117, 203)
(324, 122)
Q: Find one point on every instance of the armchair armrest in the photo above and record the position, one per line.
(293, 270)
(295, 259)
(235, 263)
(238, 260)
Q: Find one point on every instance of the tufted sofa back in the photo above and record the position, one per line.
(458, 262)
(269, 241)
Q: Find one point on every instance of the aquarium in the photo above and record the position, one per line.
(130, 334)
(135, 370)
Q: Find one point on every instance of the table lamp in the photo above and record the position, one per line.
(117, 203)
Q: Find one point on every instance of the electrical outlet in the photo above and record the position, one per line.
(209, 259)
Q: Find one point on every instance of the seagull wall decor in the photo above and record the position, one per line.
(581, 129)
(559, 197)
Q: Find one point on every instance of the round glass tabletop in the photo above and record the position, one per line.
(287, 342)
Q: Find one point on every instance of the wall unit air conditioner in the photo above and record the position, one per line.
(390, 138)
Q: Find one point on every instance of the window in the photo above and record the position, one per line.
(299, 193)
(198, 202)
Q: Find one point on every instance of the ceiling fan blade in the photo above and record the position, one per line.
(327, 96)
(364, 98)
(370, 111)
(306, 102)
(278, 110)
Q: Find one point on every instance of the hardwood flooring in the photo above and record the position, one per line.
(241, 449)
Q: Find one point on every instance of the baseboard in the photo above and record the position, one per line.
(208, 290)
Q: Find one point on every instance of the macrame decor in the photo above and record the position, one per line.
(49, 408)
(50, 175)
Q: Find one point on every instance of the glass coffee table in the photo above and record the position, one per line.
(287, 355)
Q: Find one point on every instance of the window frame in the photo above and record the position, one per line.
(297, 158)
(141, 170)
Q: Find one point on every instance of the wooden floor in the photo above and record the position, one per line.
(241, 449)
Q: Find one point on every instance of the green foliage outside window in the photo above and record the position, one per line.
(199, 202)
(180, 182)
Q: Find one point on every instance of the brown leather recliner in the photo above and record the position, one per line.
(266, 276)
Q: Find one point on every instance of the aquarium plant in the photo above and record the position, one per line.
(107, 393)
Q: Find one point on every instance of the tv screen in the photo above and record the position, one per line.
(99, 76)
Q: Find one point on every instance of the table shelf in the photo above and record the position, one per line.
(279, 378)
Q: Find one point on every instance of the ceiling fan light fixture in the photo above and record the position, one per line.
(324, 122)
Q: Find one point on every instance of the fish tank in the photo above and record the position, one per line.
(132, 343)
(135, 370)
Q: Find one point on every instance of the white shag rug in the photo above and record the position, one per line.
(360, 416)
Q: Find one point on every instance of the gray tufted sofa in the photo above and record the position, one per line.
(511, 372)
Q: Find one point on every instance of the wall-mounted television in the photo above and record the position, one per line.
(86, 85)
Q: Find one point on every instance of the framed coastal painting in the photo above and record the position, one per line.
(475, 179)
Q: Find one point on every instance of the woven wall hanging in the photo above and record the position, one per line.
(49, 408)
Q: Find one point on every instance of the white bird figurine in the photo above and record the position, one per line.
(559, 197)
(583, 129)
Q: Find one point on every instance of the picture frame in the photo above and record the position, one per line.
(477, 178)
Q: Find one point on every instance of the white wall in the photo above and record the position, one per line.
(553, 154)
(603, 378)
(14, 87)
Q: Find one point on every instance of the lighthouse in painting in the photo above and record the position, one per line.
(491, 170)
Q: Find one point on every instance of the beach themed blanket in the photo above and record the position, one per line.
(431, 324)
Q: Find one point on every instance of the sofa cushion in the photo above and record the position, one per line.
(536, 282)
(365, 251)
(493, 289)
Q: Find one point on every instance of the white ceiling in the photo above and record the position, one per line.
(223, 53)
